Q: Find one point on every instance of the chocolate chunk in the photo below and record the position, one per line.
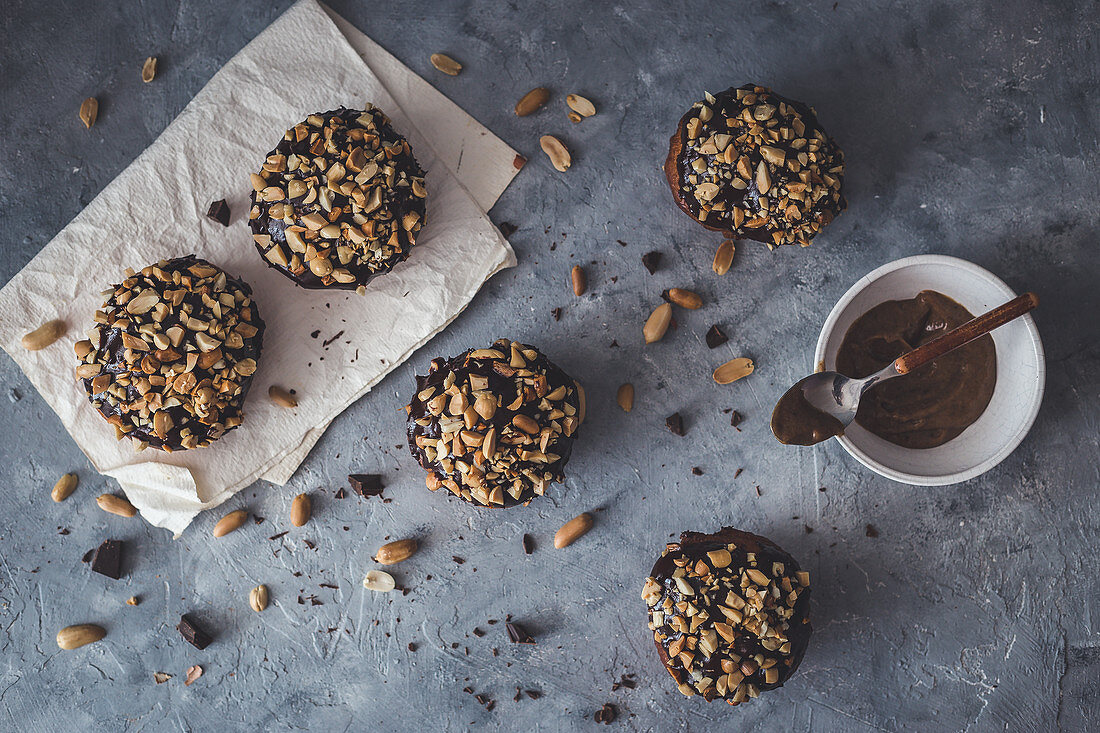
(871, 531)
(528, 544)
(107, 559)
(675, 424)
(507, 228)
(715, 337)
(629, 681)
(651, 260)
(219, 212)
(366, 484)
(478, 632)
(195, 636)
(518, 634)
(606, 714)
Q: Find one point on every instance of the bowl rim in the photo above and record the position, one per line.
(1032, 409)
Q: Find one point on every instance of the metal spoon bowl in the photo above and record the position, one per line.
(823, 404)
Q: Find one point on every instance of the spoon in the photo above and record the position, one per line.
(824, 404)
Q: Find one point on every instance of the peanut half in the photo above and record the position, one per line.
(300, 510)
(573, 530)
(230, 522)
(43, 336)
(657, 323)
(556, 151)
(392, 553)
(64, 487)
(72, 637)
(115, 505)
(733, 370)
(530, 102)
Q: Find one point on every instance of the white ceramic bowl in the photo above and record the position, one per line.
(1021, 371)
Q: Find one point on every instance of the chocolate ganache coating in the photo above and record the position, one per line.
(729, 614)
(495, 426)
(172, 353)
(339, 200)
(756, 165)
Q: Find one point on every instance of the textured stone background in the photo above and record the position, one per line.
(970, 129)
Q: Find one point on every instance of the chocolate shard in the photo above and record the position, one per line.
(675, 424)
(219, 212)
(341, 494)
(518, 634)
(190, 631)
(528, 544)
(366, 484)
(715, 337)
(107, 559)
(651, 260)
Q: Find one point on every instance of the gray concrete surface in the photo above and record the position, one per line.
(970, 129)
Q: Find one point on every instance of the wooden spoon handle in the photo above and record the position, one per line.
(966, 333)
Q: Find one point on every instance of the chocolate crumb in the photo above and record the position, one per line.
(190, 631)
(277, 536)
(697, 471)
(478, 632)
(458, 560)
(468, 690)
(412, 647)
(315, 334)
(871, 531)
(366, 484)
(651, 260)
(341, 494)
(533, 694)
(326, 342)
(519, 694)
(675, 424)
(528, 544)
(219, 212)
(606, 714)
(621, 242)
(107, 559)
(518, 634)
(556, 313)
(758, 490)
(808, 528)
(88, 555)
(715, 337)
(507, 228)
(737, 472)
(629, 681)
(735, 420)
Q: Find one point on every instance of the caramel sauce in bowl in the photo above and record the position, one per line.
(1020, 381)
